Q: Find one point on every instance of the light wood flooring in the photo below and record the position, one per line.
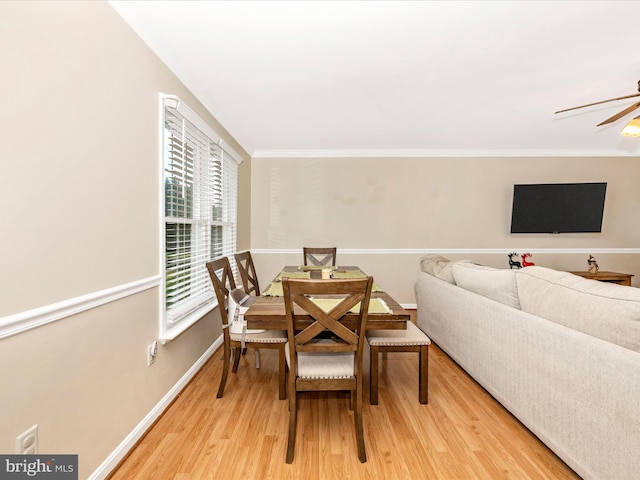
(463, 433)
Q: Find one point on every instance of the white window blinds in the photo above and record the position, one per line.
(200, 208)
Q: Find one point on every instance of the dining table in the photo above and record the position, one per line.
(268, 310)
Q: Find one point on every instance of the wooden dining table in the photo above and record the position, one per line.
(268, 311)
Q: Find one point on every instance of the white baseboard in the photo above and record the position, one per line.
(131, 440)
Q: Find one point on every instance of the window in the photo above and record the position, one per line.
(200, 183)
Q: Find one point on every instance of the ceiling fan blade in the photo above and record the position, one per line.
(621, 114)
(598, 103)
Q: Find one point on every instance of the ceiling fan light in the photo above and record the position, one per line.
(632, 129)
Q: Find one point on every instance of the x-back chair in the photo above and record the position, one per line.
(224, 285)
(318, 363)
(320, 256)
(248, 273)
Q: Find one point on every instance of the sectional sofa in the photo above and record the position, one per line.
(560, 352)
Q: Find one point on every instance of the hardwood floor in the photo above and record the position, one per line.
(463, 433)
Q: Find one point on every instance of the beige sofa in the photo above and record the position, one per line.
(560, 352)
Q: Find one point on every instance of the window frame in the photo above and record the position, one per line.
(176, 319)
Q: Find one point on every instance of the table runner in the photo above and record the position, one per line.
(275, 288)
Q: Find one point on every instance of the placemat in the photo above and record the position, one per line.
(356, 274)
(282, 275)
(349, 274)
(306, 268)
(275, 288)
(376, 305)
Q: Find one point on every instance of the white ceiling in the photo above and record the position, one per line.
(415, 77)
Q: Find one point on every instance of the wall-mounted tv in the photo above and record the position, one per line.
(558, 207)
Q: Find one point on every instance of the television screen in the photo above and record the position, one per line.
(558, 207)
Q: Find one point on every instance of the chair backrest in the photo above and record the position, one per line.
(247, 273)
(319, 256)
(345, 294)
(223, 283)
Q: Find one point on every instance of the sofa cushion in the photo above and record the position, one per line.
(438, 266)
(494, 283)
(603, 310)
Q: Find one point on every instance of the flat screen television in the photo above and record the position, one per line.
(558, 207)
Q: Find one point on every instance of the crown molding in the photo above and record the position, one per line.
(414, 153)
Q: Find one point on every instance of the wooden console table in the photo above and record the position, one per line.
(611, 277)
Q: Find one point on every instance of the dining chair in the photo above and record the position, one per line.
(410, 340)
(248, 275)
(321, 362)
(319, 256)
(250, 285)
(224, 285)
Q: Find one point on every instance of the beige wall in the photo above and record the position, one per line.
(80, 169)
(81, 215)
(385, 213)
(244, 206)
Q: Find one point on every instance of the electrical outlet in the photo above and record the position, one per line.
(152, 352)
(27, 441)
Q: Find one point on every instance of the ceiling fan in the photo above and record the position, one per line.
(617, 115)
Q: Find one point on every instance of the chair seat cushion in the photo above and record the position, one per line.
(411, 336)
(324, 364)
(268, 336)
